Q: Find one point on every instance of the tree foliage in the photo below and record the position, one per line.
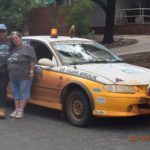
(79, 15)
(14, 13)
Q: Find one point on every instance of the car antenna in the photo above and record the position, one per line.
(72, 31)
(72, 34)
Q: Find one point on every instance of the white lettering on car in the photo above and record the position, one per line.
(78, 73)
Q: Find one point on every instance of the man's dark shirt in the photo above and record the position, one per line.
(5, 46)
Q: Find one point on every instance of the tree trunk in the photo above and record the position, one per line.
(109, 23)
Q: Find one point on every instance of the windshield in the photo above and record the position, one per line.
(83, 52)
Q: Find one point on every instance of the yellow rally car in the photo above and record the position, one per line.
(82, 79)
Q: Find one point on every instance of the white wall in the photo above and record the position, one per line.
(97, 16)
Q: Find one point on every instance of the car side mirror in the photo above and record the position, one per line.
(46, 62)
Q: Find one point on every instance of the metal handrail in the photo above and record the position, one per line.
(130, 16)
(134, 9)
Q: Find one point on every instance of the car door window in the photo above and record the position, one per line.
(42, 51)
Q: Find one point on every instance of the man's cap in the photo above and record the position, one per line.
(3, 27)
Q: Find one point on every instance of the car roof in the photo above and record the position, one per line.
(59, 38)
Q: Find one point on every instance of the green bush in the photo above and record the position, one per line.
(79, 15)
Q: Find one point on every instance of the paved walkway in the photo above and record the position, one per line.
(143, 45)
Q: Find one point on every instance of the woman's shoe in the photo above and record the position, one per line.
(14, 114)
(20, 114)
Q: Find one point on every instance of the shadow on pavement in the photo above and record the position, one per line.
(121, 123)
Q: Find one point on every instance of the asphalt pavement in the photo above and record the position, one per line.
(45, 129)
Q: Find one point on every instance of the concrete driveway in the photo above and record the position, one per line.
(143, 45)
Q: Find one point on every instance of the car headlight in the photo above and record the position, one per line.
(120, 89)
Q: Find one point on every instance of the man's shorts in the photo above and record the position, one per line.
(21, 89)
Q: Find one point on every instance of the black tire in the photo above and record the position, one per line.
(78, 108)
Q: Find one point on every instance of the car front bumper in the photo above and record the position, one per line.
(123, 106)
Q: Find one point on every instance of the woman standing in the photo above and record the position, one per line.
(21, 65)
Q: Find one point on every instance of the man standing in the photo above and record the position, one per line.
(5, 45)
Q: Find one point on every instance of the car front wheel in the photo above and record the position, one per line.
(78, 108)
